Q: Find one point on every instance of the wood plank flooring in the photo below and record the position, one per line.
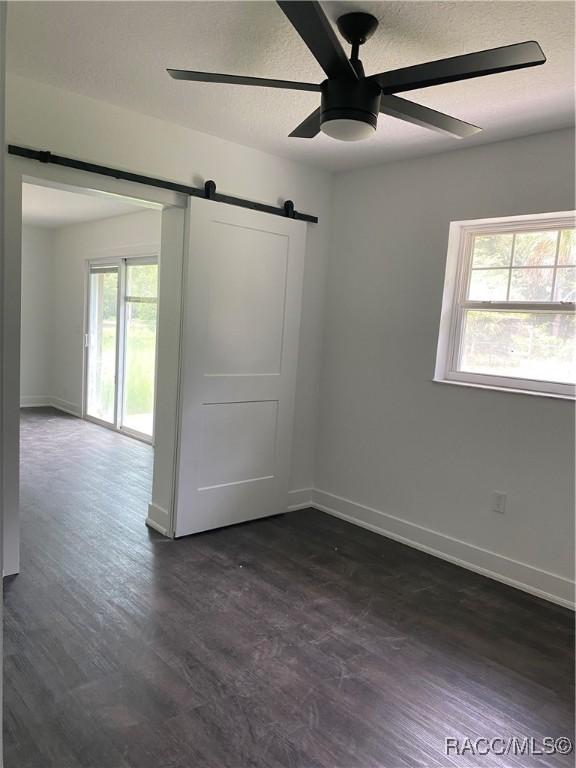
(298, 640)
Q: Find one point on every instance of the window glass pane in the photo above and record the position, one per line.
(566, 284)
(535, 249)
(531, 284)
(140, 366)
(567, 250)
(101, 384)
(142, 280)
(492, 251)
(140, 348)
(488, 285)
(520, 344)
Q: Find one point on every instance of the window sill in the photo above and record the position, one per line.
(510, 390)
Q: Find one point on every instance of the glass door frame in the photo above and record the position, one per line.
(102, 266)
(120, 263)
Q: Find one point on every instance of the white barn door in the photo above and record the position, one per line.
(242, 303)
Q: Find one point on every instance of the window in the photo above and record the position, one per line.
(508, 313)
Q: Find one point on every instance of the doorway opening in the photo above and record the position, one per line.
(65, 224)
(90, 269)
(89, 320)
(120, 344)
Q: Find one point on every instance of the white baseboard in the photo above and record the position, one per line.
(66, 406)
(158, 519)
(54, 402)
(300, 499)
(549, 586)
(34, 401)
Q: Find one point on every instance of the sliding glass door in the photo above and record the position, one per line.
(121, 345)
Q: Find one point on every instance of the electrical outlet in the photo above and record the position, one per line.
(499, 502)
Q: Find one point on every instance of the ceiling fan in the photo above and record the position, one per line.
(351, 101)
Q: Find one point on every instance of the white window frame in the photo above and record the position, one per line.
(454, 303)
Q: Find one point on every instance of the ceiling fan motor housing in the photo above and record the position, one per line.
(350, 100)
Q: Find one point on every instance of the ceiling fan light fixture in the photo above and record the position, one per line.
(348, 129)
(349, 110)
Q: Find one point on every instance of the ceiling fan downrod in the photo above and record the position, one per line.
(356, 28)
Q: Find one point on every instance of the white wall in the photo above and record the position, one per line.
(37, 305)
(431, 454)
(2, 331)
(73, 245)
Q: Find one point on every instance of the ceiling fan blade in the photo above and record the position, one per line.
(308, 128)
(212, 77)
(311, 23)
(426, 117)
(477, 64)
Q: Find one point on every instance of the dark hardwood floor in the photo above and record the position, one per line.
(299, 640)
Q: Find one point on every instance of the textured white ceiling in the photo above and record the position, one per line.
(51, 207)
(118, 52)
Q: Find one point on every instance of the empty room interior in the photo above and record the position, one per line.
(89, 307)
(288, 380)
